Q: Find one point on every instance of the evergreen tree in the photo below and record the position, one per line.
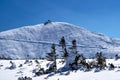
(74, 44)
(70, 56)
(65, 52)
(74, 47)
(52, 57)
(82, 59)
(74, 56)
(63, 44)
(74, 50)
(101, 62)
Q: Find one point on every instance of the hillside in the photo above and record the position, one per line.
(36, 40)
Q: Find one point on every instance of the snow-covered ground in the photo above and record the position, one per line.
(26, 70)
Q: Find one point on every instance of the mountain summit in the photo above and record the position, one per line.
(35, 41)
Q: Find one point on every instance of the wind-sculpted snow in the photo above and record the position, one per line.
(36, 41)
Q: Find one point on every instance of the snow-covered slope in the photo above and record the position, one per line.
(36, 40)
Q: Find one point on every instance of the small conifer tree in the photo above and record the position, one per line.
(52, 57)
(101, 62)
(63, 44)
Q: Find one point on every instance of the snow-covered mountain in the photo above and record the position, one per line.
(36, 40)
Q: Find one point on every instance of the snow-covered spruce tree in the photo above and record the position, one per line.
(71, 60)
(74, 46)
(79, 61)
(52, 57)
(63, 44)
(101, 61)
(74, 63)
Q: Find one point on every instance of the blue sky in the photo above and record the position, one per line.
(96, 15)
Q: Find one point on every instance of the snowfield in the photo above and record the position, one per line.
(26, 70)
